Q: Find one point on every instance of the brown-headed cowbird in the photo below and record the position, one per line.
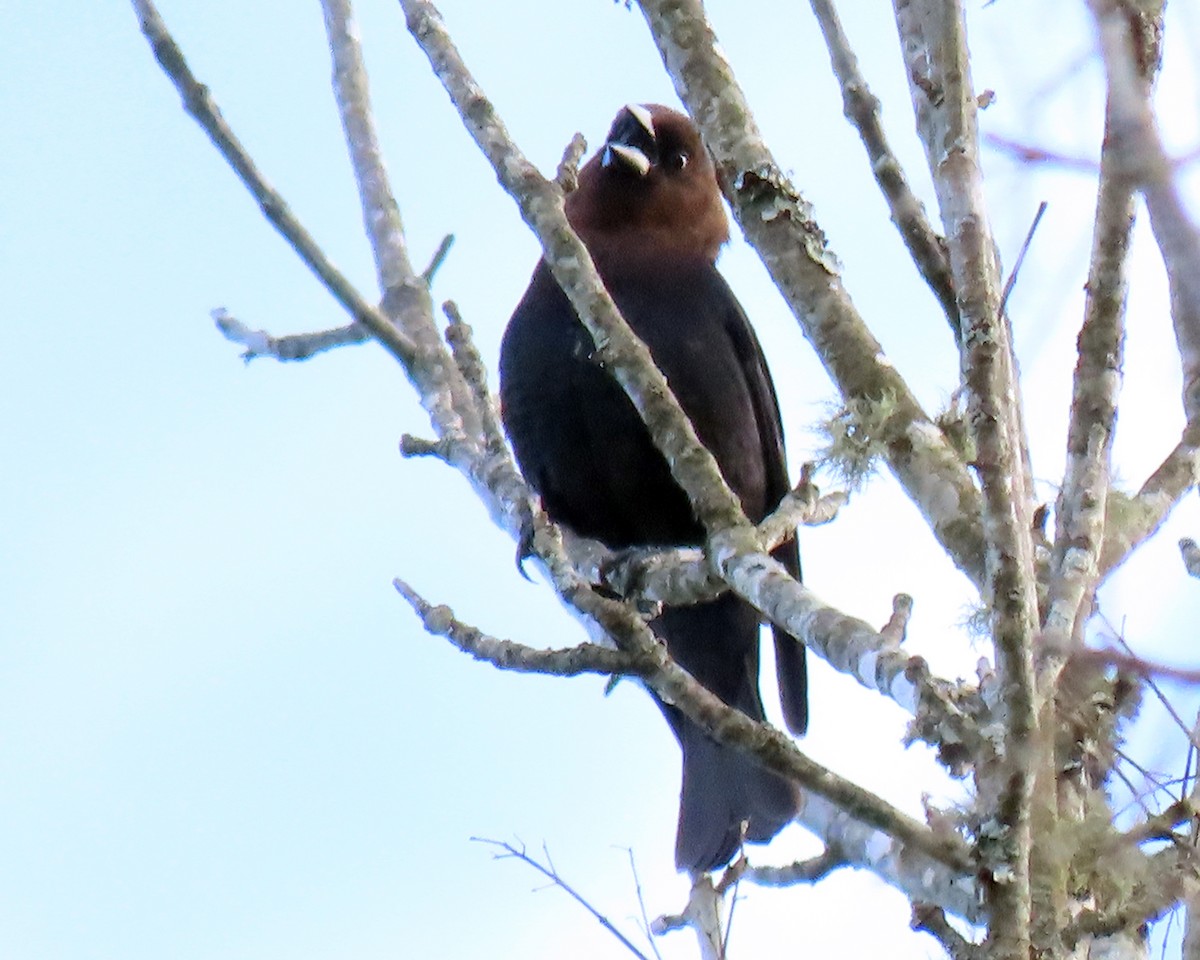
(649, 210)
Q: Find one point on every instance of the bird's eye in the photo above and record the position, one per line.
(677, 160)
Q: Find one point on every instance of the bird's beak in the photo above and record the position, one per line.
(632, 141)
(631, 157)
(643, 117)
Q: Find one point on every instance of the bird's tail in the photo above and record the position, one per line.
(722, 787)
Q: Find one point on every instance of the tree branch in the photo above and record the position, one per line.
(298, 346)
(303, 346)
(779, 223)
(1130, 48)
(925, 246)
(646, 657)
(1131, 522)
(548, 870)
(198, 102)
(406, 299)
(734, 549)
(1083, 497)
(541, 204)
(933, 37)
(861, 846)
(932, 920)
(569, 662)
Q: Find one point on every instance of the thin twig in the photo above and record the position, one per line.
(1016, 269)
(1027, 153)
(198, 101)
(1162, 825)
(303, 346)
(551, 874)
(1139, 666)
(438, 258)
(641, 901)
(1162, 697)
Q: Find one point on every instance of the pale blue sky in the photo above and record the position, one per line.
(221, 733)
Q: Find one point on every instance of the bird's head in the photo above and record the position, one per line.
(652, 183)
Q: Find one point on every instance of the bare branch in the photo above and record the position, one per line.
(198, 101)
(802, 871)
(933, 921)
(507, 655)
(933, 38)
(300, 346)
(1163, 825)
(896, 629)
(1139, 518)
(1129, 43)
(547, 870)
(948, 716)
(1027, 153)
(927, 248)
(648, 659)
(1135, 665)
(858, 845)
(1083, 497)
(470, 364)
(541, 205)
(567, 175)
(381, 213)
(683, 575)
(406, 298)
(703, 915)
(1011, 282)
(779, 223)
(438, 258)
(803, 505)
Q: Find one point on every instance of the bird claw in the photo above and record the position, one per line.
(623, 574)
(525, 549)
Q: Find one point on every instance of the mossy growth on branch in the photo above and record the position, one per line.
(854, 439)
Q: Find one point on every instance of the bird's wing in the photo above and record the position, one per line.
(791, 666)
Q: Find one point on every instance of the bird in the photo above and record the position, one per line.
(648, 208)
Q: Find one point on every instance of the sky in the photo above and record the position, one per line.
(221, 732)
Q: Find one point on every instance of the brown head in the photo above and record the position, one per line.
(652, 184)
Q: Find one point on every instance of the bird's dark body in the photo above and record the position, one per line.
(583, 447)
